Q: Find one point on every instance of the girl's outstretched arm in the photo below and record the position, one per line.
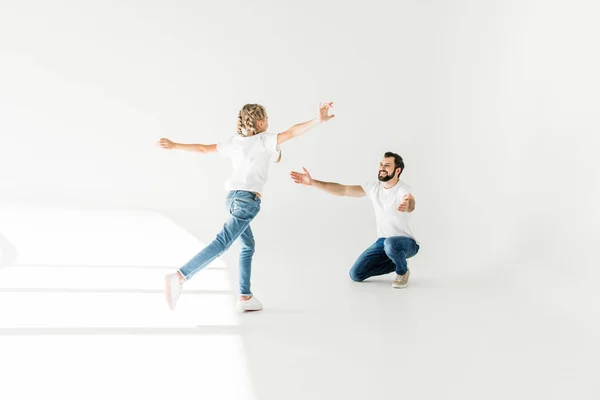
(299, 129)
(200, 148)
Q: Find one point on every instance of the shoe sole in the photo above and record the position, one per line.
(249, 309)
(239, 308)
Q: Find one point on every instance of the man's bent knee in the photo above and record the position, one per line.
(355, 277)
(391, 246)
(388, 247)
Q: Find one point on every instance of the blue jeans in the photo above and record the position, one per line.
(384, 256)
(243, 207)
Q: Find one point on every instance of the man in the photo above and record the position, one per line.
(393, 204)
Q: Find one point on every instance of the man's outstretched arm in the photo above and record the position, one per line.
(333, 188)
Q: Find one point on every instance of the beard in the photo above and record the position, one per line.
(385, 176)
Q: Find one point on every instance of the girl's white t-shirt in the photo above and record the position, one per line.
(250, 157)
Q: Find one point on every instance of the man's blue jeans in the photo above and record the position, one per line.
(384, 256)
(243, 207)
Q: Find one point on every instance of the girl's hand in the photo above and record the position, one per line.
(165, 144)
(323, 115)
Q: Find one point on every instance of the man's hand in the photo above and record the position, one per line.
(165, 144)
(302, 179)
(323, 115)
(408, 203)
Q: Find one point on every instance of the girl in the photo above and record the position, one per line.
(251, 151)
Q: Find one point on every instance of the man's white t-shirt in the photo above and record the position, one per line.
(250, 157)
(390, 221)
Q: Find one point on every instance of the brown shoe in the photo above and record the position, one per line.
(401, 281)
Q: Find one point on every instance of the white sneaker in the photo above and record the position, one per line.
(252, 304)
(401, 281)
(173, 288)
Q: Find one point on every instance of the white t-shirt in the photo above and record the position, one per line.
(250, 157)
(390, 221)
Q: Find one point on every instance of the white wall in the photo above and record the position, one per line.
(493, 105)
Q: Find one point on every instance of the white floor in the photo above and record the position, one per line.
(82, 316)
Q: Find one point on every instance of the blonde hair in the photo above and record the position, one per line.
(248, 116)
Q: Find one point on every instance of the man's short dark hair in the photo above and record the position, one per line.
(398, 161)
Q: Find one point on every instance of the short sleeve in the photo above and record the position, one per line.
(225, 146)
(270, 143)
(369, 188)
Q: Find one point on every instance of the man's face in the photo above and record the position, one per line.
(386, 169)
